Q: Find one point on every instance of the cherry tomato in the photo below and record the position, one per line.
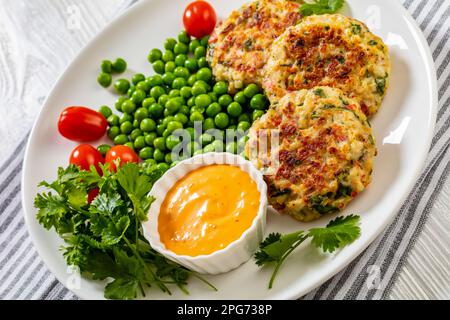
(81, 124)
(126, 154)
(86, 155)
(92, 194)
(199, 19)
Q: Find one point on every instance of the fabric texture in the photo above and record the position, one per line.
(23, 275)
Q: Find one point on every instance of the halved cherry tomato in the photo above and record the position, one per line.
(86, 155)
(199, 19)
(126, 154)
(82, 124)
(92, 194)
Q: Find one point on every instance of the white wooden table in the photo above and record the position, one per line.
(39, 38)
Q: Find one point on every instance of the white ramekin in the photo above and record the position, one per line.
(236, 252)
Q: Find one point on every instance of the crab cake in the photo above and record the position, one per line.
(330, 50)
(238, 48)
(323, 158)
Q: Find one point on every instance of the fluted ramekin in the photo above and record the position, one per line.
(236, 252)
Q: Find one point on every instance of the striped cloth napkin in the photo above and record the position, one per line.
(23, 274)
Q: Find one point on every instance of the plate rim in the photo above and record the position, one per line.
(288, 294)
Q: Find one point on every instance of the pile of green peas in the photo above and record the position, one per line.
(180, 93)
(108, 67)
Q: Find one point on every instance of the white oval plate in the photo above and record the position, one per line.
(403, 129)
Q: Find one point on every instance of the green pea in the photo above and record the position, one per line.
(138, 96)
(173, 105)
(106, 66)
(139, 143)
(174, 93)
(146, 153)
(209, 148)
(169, 66)
(141, 114)
(198, 90)
(218, 145)
(113, 132)
(154, 55)
(122, 86)
(251, 90)
(172, 141)
(163, 99)
(143, 85)
(204, 74)
(213, 109)
(180, 48)
(257, 114)
(166, 120)
(206, 139)
(160, 143)
(168, 56)
(184, 110)
(119, 66)
(244, 117)
(128, 106)
(182, 118)
(135, 133)
(157, 92)
(234, 109)
(191, 101)
(259, 102)
(131, 91)
(225, 100)
(119, 102)
(129, 144)
(182, 72)
(194, 45)
(126, 127)
(186, 92)
(197, 109)
(103, 149)
(138, 77)
(126, 117)
(191, 64)
(208, 124)
(155, 80)
(240, 98)
(202, 101)
(135, 124)
(220, 88)
(156, 110)
(148, 102)
(104, 79)
(221, 120)
(199, 52)
(196, 116)
(174, 125)
(179, 83)
(204, 41)
(180, 60)
(158, 66)
(113, 120)
(158, 155)
(191, 80)
(170, 43)
(121, 139)
(160, 129)
(148, 125)
(149, 138)
(105, 111)
(243, 125)
(163, 167)
(184, 37)
(168, 78)
(231, 147)
(150, 162)
(202, 62)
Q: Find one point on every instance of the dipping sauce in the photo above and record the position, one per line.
(207, 210)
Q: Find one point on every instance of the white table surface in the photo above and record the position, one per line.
(33, 53)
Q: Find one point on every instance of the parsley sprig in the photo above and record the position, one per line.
(337, 234)
(104, 238)
(321, 7)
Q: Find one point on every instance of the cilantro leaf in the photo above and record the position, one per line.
(321, 7)
(52, 209)
(122, 289)
(338, 233)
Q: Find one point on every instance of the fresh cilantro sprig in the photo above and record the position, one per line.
(321, 7)
(337, 234)
(104, 238)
